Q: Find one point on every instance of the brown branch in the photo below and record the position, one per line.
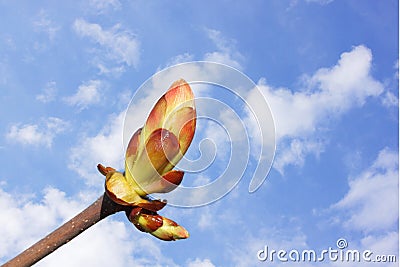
(97, 211)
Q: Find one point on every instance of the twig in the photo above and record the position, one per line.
(97, 211)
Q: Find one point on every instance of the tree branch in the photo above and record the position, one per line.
(100, 209)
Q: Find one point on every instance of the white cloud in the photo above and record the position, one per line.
(217, 134)
(88, 93)
(296, 152)
(206, 218)
(117, 45)
(25, 220)
(321, 2)
(185, 57)
(37, 134)
(374, 191)
(200, 263)
(277, 239)
(385, 244)
(326, 95)
(227, 53)
(42, 23)
(396, 67)
(48, 94)
(93, 248)
(369, 211)
(27, 134)
(390, 100)
(101, 6)
(115, 71)
(106, 148)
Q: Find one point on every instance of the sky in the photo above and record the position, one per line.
(325, 70)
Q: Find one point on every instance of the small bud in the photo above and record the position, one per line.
(157, 225)
(170, 231)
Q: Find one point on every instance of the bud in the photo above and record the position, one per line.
(170, 231)
(157, 225)
(154, 150)
(150, 156)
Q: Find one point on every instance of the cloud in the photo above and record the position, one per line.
(93, 248)
(371, 206)
(296, 152)
(217, 134)
(88, 94)
(48, 94)
(278, 238)
(115, 71)
(390, 100)
(26, 219)
(321, 2)
(37, 134)
(106, 148)
(227, 53)
(42, 23)
(327, 94)
(102, 6)
(206, 219)
(384, 244)
(200, 263)
(374, 191)
(117, 45)
(185, 57)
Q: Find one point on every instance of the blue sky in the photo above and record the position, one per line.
(328, 70)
